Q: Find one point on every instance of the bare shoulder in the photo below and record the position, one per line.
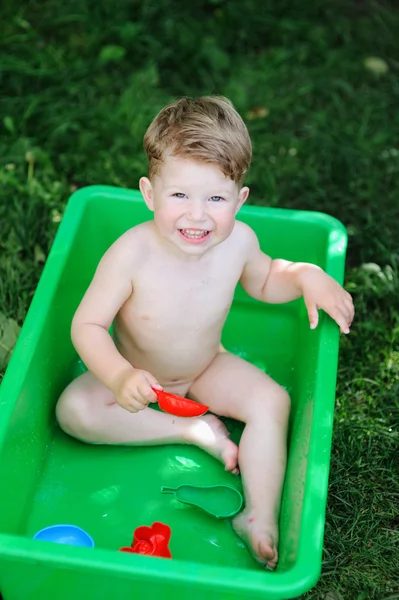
(244, 237)
(130, 247)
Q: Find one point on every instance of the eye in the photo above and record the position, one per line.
(216, 199)
(179, 195)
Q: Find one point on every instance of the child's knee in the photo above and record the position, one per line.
(272, 404)
(284, 405)
(72, 414)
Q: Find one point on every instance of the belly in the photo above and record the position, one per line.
(173, 357)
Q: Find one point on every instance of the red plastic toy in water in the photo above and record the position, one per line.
(179, 406)
(152, 541)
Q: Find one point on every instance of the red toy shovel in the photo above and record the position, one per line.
(179, 406)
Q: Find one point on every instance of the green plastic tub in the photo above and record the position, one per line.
(49, 478)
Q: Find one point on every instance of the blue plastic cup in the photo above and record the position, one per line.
(65, 534)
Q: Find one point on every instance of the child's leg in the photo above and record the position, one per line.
(232, 387)
(87, 410)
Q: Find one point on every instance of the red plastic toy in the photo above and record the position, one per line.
(179, 406)
(152, 541)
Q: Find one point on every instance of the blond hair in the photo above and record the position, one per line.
(207, 129)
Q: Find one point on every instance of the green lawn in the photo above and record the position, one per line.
(79, 83)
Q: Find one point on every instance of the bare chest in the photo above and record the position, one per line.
(175, 302)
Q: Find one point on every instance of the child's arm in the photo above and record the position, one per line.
(278, 281)
(108, 291)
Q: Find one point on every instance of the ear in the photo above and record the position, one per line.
(242, 197)
(147, 192)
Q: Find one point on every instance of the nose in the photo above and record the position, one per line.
(196, 210)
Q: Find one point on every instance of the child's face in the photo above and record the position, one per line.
(194, 204)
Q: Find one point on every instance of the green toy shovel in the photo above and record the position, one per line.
(220, 501)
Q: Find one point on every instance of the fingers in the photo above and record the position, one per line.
(344, 313)
(343, 323)
(350, 309)
(137, 396)
(313, 314)
(134, 406)
(339, 306)
(145, 394)
(132, 403)
(343, 316)
(153, 383)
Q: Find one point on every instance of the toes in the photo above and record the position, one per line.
(231, 465)
(264, 553)
(230, 456)
(234, 470)
(268, 555)
(266, 550)
(261, 543)
(271, 564)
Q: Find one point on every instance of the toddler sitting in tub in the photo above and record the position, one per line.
(167, 285)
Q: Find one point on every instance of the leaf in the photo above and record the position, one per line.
(40, 257)
(128, 31)
(9, 124)
(258, 112)
(111, 53)
(376, 65)
(9, 331)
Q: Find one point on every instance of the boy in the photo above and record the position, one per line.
(168, 285)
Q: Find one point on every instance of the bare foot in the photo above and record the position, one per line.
(211, 435)
(261, 538)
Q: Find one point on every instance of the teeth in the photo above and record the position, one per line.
(194, 233)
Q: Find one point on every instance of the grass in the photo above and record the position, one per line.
(80, 82)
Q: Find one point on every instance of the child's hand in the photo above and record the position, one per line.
(133, 391)
(322, 291)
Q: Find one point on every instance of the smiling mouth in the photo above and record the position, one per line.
(194, 234)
